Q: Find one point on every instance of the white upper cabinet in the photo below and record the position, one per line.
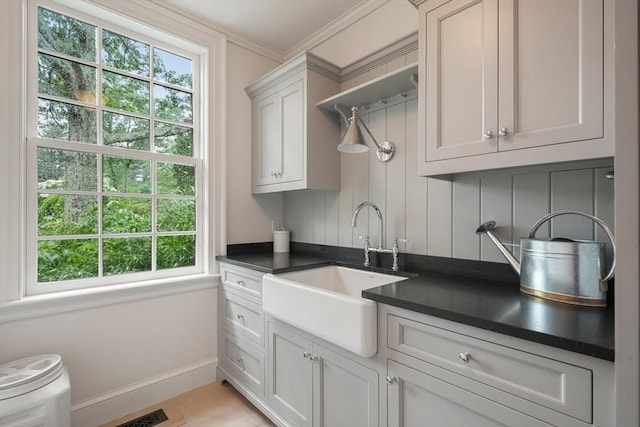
(512, 83)
(293, 142)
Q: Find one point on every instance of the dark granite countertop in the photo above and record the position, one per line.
(484, 302)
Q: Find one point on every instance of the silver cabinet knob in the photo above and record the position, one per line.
(390, 379)
(240, 282)
(239, 359)
(488, 135)
(240, 317)
(305, 354)
(465, 357)
(503, 131)
(314, 358)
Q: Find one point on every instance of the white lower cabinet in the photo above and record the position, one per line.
(442, 373)
(428, 372)
(310, 385)
(416, 399)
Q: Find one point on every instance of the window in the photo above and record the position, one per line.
(114, 155)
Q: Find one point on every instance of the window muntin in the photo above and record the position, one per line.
(117, 194)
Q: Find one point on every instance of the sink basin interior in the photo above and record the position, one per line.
(327, 302)
(342, 280)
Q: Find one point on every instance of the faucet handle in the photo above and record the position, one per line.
(399, 240)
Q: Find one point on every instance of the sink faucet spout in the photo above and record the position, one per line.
(354, 220)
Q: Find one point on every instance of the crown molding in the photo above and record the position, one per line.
(302, 62)
(359, 11)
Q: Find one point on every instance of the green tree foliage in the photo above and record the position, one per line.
(71, 220)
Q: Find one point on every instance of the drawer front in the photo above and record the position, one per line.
(242, 280)
(244, 361)
(243, 317)
(559, 386)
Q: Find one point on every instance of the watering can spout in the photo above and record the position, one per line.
(487, 228)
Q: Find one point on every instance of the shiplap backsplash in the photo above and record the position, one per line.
(440, 217)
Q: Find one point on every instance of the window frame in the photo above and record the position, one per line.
(199, 159)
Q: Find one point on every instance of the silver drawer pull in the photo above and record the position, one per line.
(239, 359)
(240, 282)
(240, 317)
(390, 380)
(465, 357)
(488, 135)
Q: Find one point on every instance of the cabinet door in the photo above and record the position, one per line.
(290, 375)
(293, 125)
(551, 72)
(345, 393)
(418, 399)
(266, 134)
(461, 94)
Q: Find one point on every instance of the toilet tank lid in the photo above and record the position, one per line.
(28, 374)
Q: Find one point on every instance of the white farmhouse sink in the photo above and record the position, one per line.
(327, 303)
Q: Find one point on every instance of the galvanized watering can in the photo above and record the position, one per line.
(559, 269)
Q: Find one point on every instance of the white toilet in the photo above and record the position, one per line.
(34, 391)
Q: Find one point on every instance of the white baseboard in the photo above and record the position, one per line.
(118, 403)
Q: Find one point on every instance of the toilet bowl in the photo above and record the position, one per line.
(34, 391)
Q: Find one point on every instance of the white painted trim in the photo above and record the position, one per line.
(627, 206)
(345, 20)
(133, 397)
(82, 299)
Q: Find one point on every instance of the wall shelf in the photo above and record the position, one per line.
(391, 88)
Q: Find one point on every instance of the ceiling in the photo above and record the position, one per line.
(277, 25)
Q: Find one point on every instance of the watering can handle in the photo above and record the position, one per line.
(601, 223)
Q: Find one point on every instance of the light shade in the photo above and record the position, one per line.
(352, 141)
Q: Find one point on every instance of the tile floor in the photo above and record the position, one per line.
(212, 405)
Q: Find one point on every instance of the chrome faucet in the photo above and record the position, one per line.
(367, 245)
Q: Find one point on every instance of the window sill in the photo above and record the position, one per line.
(63, 302)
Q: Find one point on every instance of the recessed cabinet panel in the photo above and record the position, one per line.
(242, 281)
(345, 392)
(290, 371)
(246, 362)
(551, 72)
(416, 399)
(293, 122)
(267, 116)
(243, 317)
(461, 78)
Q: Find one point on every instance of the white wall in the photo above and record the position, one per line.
(248, 217)
(126, 356)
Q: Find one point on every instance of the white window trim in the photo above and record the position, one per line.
(13, 303)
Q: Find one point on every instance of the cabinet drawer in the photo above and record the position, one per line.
(242, 280)
(244, 361)
(243, 317)
(553, 384)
